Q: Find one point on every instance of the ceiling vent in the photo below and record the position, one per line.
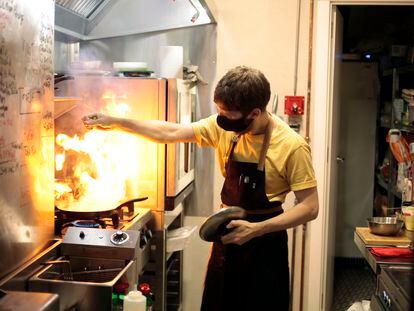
(95, 19)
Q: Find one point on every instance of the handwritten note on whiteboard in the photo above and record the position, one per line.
(26, 129)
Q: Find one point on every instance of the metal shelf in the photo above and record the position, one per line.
(58, 99)
(399, 126)
(393, 196)
(65, 104)
(382, 182)
(170, 216)
(398, 70)
(384, 185)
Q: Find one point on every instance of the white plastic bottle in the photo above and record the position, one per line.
(135, 301)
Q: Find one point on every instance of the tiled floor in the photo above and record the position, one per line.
(353, 281)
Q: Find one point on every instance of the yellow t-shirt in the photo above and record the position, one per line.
(288, 165)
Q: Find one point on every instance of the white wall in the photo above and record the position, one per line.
(262, 34)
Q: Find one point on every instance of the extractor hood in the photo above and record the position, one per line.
(78, 20)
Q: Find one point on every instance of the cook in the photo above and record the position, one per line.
(262, 160)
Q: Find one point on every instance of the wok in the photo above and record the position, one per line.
(97, 213)
(215, 226)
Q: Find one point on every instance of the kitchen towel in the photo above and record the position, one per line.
(389, 252)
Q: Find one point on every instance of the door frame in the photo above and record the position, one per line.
(321, 132)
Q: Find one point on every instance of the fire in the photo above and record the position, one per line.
(99, 169)
(59, 160)
(61, 190)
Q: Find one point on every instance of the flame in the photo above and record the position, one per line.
(61, 190)
(59, 160)
(115, 105)
(105, 166)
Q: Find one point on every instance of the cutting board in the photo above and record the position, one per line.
(377, 240)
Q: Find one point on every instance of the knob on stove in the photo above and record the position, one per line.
(119, 237)
(82, 235)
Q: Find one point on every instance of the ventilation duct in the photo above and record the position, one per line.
(77, 20)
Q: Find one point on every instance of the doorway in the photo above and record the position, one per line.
(335, 225)
(370, 35)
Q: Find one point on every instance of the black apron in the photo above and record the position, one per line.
(255, 275)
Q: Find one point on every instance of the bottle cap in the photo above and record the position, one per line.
(145, 288)
(135, 295)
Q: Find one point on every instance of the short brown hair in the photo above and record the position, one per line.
(243, 89)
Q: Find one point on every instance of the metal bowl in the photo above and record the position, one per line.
(385, 225)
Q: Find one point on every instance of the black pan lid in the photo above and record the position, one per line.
(215, 226)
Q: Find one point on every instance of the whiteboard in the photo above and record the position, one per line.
(26, 129)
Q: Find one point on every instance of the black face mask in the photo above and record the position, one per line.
(238, 125)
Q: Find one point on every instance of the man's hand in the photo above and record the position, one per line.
(242, 232)
(99, 121)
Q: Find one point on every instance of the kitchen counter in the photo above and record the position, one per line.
(143, 217)
(374, 261)
(23, 301)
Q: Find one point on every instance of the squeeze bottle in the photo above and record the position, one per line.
(135, 301)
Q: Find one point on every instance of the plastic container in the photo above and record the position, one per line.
(408, 212)
(178, 239)
(135, 301)
(398, 105)
(409, 222)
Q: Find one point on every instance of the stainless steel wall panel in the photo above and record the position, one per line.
(26, 130)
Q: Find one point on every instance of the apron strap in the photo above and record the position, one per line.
(230, 151)
(265, 146)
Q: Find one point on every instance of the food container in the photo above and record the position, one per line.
(385, 225)
(408, 212)
(178, 239)
(409, 222)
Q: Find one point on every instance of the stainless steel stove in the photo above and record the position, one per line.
(127, 216)
(94, 263)
(118, 218)
(85, 268)
(394, 289)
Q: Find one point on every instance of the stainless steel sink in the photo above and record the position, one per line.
(82, 283)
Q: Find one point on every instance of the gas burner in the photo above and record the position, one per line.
(86, 223)
(113, 218)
